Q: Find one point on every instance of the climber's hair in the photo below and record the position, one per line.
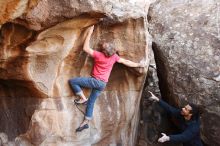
(107, 48)
(196, 111)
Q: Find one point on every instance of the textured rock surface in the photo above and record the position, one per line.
(41, 48)
(153, 119)
(11, 9)
(36, 103)
(46, 13)
(187, 50)
(40, 14)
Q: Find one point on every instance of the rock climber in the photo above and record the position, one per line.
(103, 63)
(188, 122)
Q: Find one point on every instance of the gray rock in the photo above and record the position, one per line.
(186, 44)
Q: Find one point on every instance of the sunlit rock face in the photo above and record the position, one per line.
(46, 64)
(40, 14)
(35, 67)
(43, 13)
(186, 47)
(58, 118)
(11, 9)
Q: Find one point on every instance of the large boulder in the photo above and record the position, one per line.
(41, 14)
(40, 53)
(186, 44)
(11, 9)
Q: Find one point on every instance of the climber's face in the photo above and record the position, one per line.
(186, 110)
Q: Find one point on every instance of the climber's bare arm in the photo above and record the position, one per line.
(86, 46)
(130, 63)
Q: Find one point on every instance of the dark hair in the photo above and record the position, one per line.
(196, 111)
(107, 48)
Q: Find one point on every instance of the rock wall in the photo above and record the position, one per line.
(41, 49)
(41, 14)
(186, 44)
(153, 118)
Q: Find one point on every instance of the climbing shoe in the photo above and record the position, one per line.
(78, 102)
(79, 129)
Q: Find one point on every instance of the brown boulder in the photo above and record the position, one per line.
(53, 58)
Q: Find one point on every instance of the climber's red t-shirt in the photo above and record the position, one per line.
(103, 65)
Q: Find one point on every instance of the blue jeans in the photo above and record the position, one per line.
(89, 82)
